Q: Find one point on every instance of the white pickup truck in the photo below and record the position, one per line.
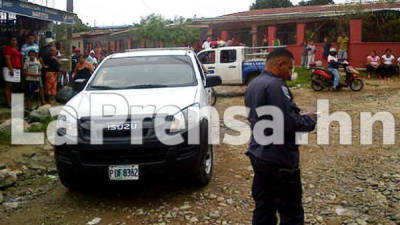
(235, 64)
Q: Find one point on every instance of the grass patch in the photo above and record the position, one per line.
(5, 135)
(303, 78)
(43, 128)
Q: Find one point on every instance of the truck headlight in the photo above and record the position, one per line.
(182, 119)
(64, 122)
(179, 121)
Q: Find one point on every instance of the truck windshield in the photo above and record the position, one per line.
(144, 72)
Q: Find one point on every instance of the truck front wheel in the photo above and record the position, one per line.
(203, 170)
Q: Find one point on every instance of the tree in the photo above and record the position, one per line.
(171, 32)
(316, 2)
(78, 26)
(266, 4)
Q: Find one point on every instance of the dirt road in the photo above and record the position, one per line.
(350, 184)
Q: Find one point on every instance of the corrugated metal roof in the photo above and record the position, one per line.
(301, 12)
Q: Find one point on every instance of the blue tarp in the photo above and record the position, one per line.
(28, 9)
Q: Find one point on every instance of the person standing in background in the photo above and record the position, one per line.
(265, 40)
(44, 54)
(207, 43)
(83, 70)
(304, 55)
(59, 48)
(12, 70)
(311, 53)
(29, 46)
(343, 43)
(92, 59)
(75, 58)
(327, 46)
(53, 67)
(32, 73)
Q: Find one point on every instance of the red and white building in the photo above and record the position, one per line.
(296, 24)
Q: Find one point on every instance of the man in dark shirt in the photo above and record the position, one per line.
(277, 184)
(44, 54)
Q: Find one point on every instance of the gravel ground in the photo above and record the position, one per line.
(351, 184)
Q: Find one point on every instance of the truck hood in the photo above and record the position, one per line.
(120, 102)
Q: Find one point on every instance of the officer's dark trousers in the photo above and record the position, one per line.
(276, 190)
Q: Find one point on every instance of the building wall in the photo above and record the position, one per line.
(358, 52)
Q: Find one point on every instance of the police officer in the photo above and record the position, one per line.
(277, 184)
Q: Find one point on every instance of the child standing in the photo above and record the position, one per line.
(32, 71)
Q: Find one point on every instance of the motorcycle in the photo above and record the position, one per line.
(321, 78)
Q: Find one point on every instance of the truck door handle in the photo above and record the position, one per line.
(211, 68)
(232, 67)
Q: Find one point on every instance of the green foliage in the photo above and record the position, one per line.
(316, 2)
(171, 32)
(303, 78)
(377, 26)
(61, 29)
(266, 4)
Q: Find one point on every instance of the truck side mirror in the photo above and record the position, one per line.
(212, 81)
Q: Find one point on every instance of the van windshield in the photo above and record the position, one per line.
(144, 72)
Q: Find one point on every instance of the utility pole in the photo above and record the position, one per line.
(70, 8)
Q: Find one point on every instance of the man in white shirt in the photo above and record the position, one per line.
(92, 59)
(207, 43)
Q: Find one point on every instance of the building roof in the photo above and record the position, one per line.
(93, 33)
(301, 12)
(28, 9)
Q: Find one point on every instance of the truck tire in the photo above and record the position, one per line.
(203, 171)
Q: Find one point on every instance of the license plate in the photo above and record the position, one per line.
(124, 172)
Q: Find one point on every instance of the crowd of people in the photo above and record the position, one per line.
(384, 66)
(31, 69)
(219, 42)
(35, 70)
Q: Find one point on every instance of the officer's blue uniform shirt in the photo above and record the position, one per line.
(270, 90)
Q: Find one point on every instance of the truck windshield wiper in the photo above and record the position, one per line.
(145, 86)
(101, 87)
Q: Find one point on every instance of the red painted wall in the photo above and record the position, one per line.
(301, 27)
(271, 35)
(355, 31)
(358, 52)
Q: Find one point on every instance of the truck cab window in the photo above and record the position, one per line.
(207, 57)
(228, 56)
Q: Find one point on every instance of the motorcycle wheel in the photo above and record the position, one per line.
(316, 82)
(356, 85)
(316, 86)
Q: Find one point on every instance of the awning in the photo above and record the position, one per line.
(32, 10)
